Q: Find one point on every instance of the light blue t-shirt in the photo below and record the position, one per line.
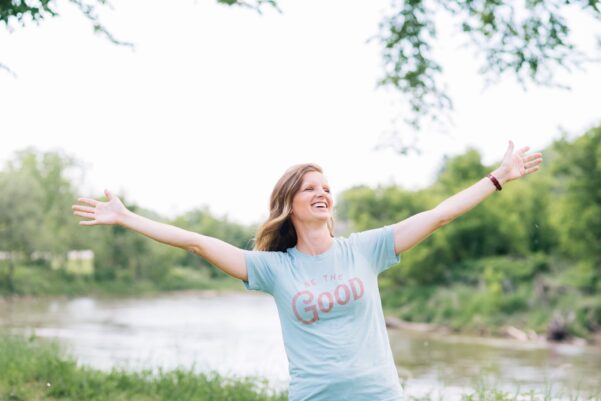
(331, 315)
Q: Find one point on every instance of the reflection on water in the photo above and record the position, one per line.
(458, 362)
(233, 333)
(238, 334)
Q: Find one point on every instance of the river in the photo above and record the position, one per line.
(238, 334)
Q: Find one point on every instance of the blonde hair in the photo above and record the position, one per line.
(278, 233)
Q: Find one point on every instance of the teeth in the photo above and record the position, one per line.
(320, 204)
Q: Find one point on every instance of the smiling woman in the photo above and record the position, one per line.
(294, 202)
(325, 288)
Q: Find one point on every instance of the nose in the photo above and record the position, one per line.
(321, 195)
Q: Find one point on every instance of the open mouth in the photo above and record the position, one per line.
(320, 205)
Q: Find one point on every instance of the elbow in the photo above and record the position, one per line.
(195, 245)
(443, 217)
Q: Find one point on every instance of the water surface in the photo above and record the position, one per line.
(238, 334)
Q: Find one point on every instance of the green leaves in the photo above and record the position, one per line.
(529, 40)
(255, 6)
(21, 11)
(406, 37)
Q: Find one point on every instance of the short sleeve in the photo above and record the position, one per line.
(377, 245)
(261, 268)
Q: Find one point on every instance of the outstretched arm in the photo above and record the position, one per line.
(416, 228)
(225, 256)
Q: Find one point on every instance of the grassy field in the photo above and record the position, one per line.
(34, 369)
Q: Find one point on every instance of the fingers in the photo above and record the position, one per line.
(85, 214)
(533, 156)
(83, 208)
(91, 202)
(522, 151)
(108, 195)
(86, 211)
(533, 163)
(531, 170)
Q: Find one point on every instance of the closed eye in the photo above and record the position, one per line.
(311, 188)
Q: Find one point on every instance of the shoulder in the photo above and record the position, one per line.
(373, 233)
(268, 256)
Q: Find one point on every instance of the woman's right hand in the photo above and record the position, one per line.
(226, 257)
(109, 212)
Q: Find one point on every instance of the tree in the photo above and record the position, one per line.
(51, 172)
(529, 39)
(577, 214)
(20, 219)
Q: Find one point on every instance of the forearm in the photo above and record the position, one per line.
(226, 257)
(165, 233)
(463, 201)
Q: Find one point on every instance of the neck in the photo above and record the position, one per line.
(313, 240)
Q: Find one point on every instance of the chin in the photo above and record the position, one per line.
(324, 217)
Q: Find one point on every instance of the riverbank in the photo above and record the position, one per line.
(458, 309)
(502, 332)
(508, 335)
(527, 312)
(32, 281)
(35, 369)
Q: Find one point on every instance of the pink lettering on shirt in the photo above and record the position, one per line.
(311, 308)
(342, 294)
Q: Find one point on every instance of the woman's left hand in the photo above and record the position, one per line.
(518, 164)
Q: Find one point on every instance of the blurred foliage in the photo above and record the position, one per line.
(531, 40)
(37, 190)
(528, 39)
(23, 12)
(577, 212)
(528, 255)
(536, 244)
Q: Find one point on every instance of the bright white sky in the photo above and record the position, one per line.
(215, 103)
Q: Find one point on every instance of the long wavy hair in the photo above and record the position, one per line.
(278, 233)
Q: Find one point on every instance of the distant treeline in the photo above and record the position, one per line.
(38, 228)
(529, 255)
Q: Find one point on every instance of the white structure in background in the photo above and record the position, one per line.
(4, 255)
(37, 255)
(80, 262)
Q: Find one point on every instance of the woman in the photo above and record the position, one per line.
(325, 288)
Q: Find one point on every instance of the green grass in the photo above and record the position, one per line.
(34, 369)
(484, 392)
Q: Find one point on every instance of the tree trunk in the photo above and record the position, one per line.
(9, 278)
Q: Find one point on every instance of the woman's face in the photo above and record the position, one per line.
(313, 201)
